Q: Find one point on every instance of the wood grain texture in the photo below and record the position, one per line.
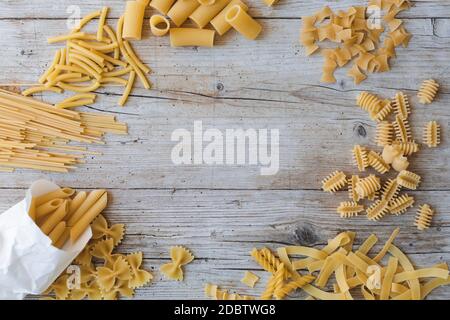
(221, 212)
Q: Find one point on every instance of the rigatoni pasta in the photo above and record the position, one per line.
(159, 25)
(182, 37)
(181, 10)
(163, 6)
(205, 13)
(133, 20)
(240, 20)
(219, 22)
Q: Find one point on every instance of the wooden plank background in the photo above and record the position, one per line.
(222, 212)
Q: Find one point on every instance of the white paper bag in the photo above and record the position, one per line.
(29, 263)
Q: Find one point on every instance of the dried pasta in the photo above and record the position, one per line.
(180, 256)
(402, 129)
(181, 37)
(163, 6)
(424, 217)
(401, 105)
(385, 133)
(205, 13)
(240, 20)
(399, 205)
(376, 161)
(432, 134)
(334, 182)
(101, 230)
(349, 209)
(250, 279)
(358, 40)
(360, 157)
(377, 210)
(390, 190)
(408, 179)
(156, 23)
(390, 152)
(219, 22)
(368, 186)
(428, 91)
(181, 10)
(103, 274)
(133, 20)
(400, 163)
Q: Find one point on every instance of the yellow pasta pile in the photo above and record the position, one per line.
(89, 61)
(103, 274)
(357, 33)
(395, 137)
(64, 216)
(351, 273)
(35, 135)
(221, 14)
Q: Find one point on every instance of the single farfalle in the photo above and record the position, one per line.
(107, 277)
(103, 250)
(59, 288)
(90, 290)
(100, 230)
(139, 277)
(180, 256)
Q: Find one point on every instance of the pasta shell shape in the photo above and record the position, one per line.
(139, 277)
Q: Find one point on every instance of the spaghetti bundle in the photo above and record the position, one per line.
(35, 135)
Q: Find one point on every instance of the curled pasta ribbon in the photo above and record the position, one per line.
(424, 217)
(180, 256)
(90, 290)
(349, 209)
(106, 277)
(334, 182)
(408, 179)
(100, 230)
(360, 157)
(432, 134)
(139, 277)
(428, 91)
(399, 205)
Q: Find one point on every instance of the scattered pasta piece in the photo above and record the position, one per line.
(408, 179)
(377, 210)
(402, 129)
(390, 190)
(360, 157)
(428, 91)
(334, 182)
(432, 134)
(385, 133)
(424, 217)
(399, 205)
(139, 277)
(407, 148)
(180, 256)
(400, 163)
(368, 186)
(250, 279)
(353, 195)
(349, 209)
(213, 291)
(401, 105)
(101, 230)
(376, 161)
(107, 277)
(59, 288)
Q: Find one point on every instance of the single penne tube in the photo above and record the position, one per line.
(163, 6)
(242, 22)
(32, 210)
(76, 202)
(56, 217)
(182, 37)
(63, 238)
(219, 23)
(61, 193)
(87, 218)
(133, 20)
(84, 207)
(57, 232)
(47, 208)
(204, 14)
(181, 10)
(159, 25)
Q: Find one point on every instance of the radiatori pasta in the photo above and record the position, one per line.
(133, 20)
(182, 37)
(159, 25)
(242, 22)
(219, 22)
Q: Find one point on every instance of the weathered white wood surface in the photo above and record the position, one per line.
(221, 212)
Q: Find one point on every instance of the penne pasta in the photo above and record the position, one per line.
(56, 217)
(57, 232)
(84, 207)
(61, 193)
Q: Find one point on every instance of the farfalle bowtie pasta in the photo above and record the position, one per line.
(180, 256)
